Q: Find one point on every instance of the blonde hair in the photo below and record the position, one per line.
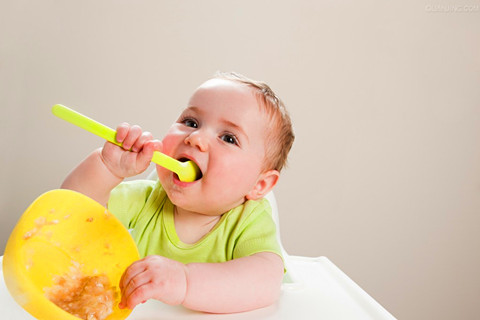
(280, 134)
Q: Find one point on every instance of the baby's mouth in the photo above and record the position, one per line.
(199, 171)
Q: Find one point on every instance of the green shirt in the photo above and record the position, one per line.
(144, 207)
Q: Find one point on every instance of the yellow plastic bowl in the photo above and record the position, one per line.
(59, 229)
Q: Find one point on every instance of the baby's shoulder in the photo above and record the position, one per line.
(250, 211)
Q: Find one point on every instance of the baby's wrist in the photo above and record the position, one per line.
(178, 292)
(115, 178)
(185, 284)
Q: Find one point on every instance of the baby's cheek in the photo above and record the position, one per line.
(173, 138)
(164, 175)
(241, 174)
(168, 145)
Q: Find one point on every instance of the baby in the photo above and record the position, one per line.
(210, 244)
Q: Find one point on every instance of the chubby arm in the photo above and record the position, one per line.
(106, 167)
(238, 285)
(92, 178)
(234, 286)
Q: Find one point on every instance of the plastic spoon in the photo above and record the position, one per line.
(187, 171)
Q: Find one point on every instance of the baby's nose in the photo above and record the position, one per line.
(198, 140)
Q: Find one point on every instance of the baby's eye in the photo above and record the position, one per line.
(190, 123)
(229, 138)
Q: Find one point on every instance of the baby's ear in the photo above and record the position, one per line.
(265, 183)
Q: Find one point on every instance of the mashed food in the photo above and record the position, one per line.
(86, 297)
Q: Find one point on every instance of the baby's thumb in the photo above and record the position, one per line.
(145, 156)
(157, 145)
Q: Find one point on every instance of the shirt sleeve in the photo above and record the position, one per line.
(258, 231)
(128, 199)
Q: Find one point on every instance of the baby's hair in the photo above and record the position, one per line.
(280, 134)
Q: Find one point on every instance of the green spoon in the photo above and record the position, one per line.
(187, 171)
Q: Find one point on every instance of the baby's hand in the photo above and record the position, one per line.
(153, 277)
(134, 156)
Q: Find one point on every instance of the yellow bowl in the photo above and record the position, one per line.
(62, 229)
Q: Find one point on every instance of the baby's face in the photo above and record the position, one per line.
(223, 131)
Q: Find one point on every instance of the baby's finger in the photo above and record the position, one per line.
(147, 152)
(139, 295)
(122, 131)
(133, 134)
(136, 282)
(134, 269)
(157, 145)
(138, 145)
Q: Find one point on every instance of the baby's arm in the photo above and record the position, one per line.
(238, 285)
(106, 167)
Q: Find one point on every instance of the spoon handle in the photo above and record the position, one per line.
(109, 134)
(85, 122)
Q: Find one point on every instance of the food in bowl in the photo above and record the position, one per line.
(88, 297)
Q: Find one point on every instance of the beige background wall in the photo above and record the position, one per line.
(384, 177)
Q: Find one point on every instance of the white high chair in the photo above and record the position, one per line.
(313, 288)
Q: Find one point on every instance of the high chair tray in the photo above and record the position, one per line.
(317, 289)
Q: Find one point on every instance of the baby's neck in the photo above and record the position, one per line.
(192, 226)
